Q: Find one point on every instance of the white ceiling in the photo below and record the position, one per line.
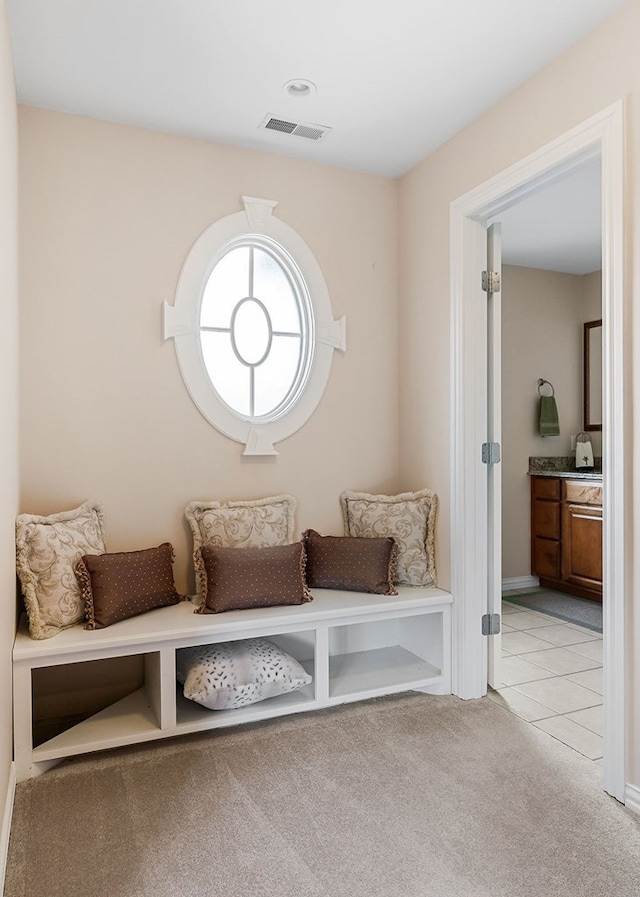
(559, 228)
(395, 78)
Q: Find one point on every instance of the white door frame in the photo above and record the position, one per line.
(603, 136)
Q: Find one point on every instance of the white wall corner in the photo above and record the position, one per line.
(334, 334)
(258, 211)
(632, 798)
(6, 824)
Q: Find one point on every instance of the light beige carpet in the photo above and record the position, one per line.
(409, 796)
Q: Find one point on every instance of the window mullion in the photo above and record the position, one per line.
(288, 350)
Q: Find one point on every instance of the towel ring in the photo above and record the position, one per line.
(542, 383)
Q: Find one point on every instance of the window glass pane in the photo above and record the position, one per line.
(251, 332)
(228, 375)
(228, 283)
(275, 377)
(251, 295)
(271, 286)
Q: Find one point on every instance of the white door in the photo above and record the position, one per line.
(494, 439)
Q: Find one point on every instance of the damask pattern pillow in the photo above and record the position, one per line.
(410, 518)
(47, 550)
(350, 562)
(258, 523)
(124, 584)
(235, 674)
(239, 578)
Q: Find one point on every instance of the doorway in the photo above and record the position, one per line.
(600, 136)
(551, 249)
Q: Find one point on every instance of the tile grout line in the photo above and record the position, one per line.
(592, 637)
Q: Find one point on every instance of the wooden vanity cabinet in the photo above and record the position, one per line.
(566, 535)
(546, 528)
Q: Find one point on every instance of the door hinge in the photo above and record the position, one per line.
(490, 452)
(491, 281)
(490, 624)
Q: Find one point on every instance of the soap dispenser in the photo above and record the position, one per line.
(584, 452)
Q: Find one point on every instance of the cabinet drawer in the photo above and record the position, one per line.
(546, 487)
(546, 558)
(583, 493)
(546, 519)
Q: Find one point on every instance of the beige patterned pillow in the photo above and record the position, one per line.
(47, 550)
(410, 518)
(258, 523)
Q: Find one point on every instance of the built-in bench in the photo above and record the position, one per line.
(355, 645)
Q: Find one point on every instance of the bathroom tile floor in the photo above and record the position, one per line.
(552, 677)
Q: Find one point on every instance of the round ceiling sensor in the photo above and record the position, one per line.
(300, 87)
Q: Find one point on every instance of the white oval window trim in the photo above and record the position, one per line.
(182, 324)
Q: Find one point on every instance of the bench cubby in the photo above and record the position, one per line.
(355, 646)
(388, 654)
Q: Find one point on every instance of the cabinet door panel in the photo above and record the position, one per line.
(582, 545)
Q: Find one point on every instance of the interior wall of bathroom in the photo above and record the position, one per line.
(592, 290)
(542, 317)
(592, 310)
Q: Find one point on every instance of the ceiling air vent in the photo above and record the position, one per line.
(296, 128)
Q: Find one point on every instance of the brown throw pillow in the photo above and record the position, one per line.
(349, 562)
(236, 578)
(126, 583)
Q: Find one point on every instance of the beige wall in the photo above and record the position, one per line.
(542, 317)
(592, 288)
(596, 72)
(108, 214)
(8, 391)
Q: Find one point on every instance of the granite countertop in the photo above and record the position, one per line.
(564, 466)
(596, 477)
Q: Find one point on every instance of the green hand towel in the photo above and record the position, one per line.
(549, 425)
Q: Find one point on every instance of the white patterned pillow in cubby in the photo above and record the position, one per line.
(235, 674)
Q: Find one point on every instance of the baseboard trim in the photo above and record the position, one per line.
(520, 582)
(6, 824)
(632, 798)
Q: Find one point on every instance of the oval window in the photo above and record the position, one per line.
(255, 327)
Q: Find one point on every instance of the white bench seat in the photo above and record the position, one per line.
(355, 645)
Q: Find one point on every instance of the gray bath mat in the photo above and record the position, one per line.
(580, 611)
